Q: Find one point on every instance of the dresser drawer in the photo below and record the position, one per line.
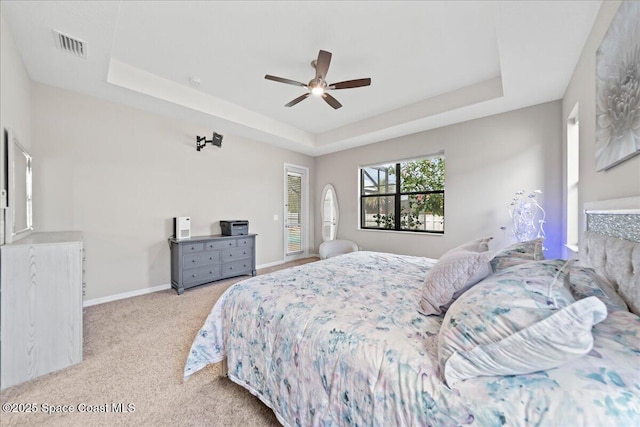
(242, 242)
(235, 253)
(236, 268)
(221, 244)
(201, 275)
(206, 259)
(198, 259)
(192, 247)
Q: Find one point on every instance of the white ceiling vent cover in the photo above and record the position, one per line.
(71, 45)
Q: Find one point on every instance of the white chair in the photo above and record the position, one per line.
(332, 248)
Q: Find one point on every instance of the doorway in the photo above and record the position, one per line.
(296, 212)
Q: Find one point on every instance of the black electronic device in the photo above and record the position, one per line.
(238, 227)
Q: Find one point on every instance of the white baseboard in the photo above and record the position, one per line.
(96, 301)
(270, 264)
(273, 264)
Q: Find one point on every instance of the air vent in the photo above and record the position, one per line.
(71, 45)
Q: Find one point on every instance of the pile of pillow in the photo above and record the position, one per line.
(455, 272)
(512, 313)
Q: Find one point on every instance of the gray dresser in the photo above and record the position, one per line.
(205, 259)
(41, 316)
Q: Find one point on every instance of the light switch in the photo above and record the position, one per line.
(275, 217)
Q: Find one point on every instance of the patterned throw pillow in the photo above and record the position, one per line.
(478, 245)
(518, 253)
(453, 274)
(586, 282)
(520, 320)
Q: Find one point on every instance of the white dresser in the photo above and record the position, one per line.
(41, 305)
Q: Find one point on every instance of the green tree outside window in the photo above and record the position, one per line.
(416, 204)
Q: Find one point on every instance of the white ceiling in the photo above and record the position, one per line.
(431, 63)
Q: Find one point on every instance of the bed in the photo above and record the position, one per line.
(344, 341)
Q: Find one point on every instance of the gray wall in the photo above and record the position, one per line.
(120, 174)
(15, 86)
(622, 180)
(487, 161)
(15, 102)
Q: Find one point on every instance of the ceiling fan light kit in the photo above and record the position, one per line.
(318, 86)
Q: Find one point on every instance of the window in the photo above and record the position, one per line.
(573, 178)
(404, 196)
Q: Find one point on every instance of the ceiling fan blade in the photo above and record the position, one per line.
(298, 99)
(322, 64)
(331, 101)
(350, 84)
(283, 80)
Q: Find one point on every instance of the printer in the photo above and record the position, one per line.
(237, 227)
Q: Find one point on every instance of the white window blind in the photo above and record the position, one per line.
(294, 213)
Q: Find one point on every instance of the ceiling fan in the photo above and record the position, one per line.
(318, 86)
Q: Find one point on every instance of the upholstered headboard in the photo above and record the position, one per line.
(611, 245)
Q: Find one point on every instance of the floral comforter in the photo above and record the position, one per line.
(340, 342)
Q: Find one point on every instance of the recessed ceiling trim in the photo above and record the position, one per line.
(535, 63)
(69, 44)
(460, 98)
(130, 77)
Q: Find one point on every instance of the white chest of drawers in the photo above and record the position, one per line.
(41, 303)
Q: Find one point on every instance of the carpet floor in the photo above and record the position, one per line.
(134, 354)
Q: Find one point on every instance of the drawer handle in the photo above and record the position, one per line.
(211, 272)
(194, 275)
(230, 268)
(229, 243)
(193, 248)
(193, 260)
(210, 258)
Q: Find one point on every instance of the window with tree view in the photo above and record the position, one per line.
(404, 196)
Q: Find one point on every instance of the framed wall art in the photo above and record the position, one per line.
(618, 89)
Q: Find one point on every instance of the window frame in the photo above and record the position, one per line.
(397, 194)
(572, 182)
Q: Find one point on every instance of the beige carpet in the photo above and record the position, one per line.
(134, 353)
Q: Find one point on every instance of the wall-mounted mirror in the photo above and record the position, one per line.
(329, 212)
(19, 216)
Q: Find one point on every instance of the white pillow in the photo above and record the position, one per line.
(519, 320)
(478, 245)
(454, 273)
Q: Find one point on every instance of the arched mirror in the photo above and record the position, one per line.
(330, 213)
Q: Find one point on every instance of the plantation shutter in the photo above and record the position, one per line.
(294, 213)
